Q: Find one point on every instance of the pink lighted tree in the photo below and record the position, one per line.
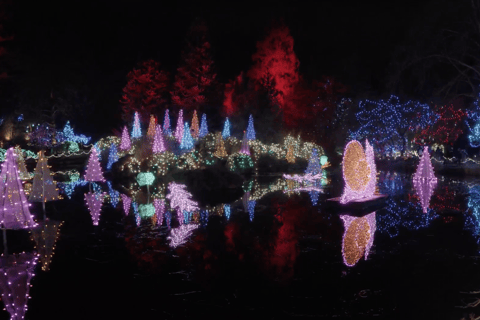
(158, 141)
(14, 213)
(16, 272)
(159, 210)
(179, 128)
(127, 201)
(94, 203)
(125, 144)
(178, 236)
(94, 171)
(180, 199)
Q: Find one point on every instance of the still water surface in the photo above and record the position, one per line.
(283, 255)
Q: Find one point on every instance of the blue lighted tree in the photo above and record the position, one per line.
(473, 118)
(474, 136)
(226, 129)
(314, 166)
(250, 129)
(112, 156)
(390, 124)
(136, 131)
(187, 140)
(203, 127)
(167, 128)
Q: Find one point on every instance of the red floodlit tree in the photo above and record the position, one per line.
(195, 76)
(145, 92)
(446, 129)
(275, 65)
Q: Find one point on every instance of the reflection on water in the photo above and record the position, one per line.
(45, 237)
(94, 202)
(357, 237)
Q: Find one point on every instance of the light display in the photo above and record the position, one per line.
(44, 187)
(226, 209)
(314, 197)
(251, 209)
(302, 178)
(114, 195)
(159, 210)
(127, 201)
(388, 122)
(323, 160)
(226, 129)
(424, 180)
(187, 140)
(290, 155)
(357, 173)
(195, 128)
(180, 199)
(179, 128)
(68, 135)
(146, 210)
(151, 127)
(158, 141)
(203, 127)
(15, 213)
(250, 129)
(125, 144)
(16, 272)
(245, 149)
(239, 162)
(314, 166)
(136, 130)
(204, 217)
(22, 169)
(474, 136)
(220, 151)
(168, 219)
(94, 202)
(166, 124)
(145, 178)
(357, 238)
(45, 238)
(178, 236)
(138, 220)
(372, 183)
(94, 171)
(112, 156)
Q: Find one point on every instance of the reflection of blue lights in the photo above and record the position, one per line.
(472, 221)
(168, 218)
(204, 217)
(251, 208)
(135, 211)
(20, 118)
(69, 187)
(114, 195)
(402, 214)
(391, 183)
(314, 197)
(226, 208)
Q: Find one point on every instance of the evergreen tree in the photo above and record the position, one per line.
(94, 171)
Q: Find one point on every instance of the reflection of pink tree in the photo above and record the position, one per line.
(16, 271)
(126, 203)
(94, 203)
(424, 180)
(178, 236)
(181, 200)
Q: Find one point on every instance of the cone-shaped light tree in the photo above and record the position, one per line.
(290, 154)
(127, 201)
(250, 129)
(245, 148)
(45, 239)
(187, 140)
(159, 210)
(136, 130)
(112, 156)
(195, 128)
(314, 166)
(203, 127)
(125, 144)
(94, 171)
(226, 129)
(94, 203)
(179, 128)
(180, 199)
(151, 127)
(158, 142)
(166, 124)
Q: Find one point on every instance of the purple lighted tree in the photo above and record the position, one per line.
(158, 142)
(159, 210)
(94, 203)
(16, 272)
(94, 171)
(125, 144)
(15, 213)
(179, 128)
(180, 199)
(424, 180)
(245, 148)
(126, 203)
(178, 236)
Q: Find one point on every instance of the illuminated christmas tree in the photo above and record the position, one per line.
(220, 151)
(166, 124)
(180, 199)
(158, 142)
(245, 148)
(151, 127)
(187, 140)
(45, 237)
(136, 130)
(44, 188)
(94, 203)
(125, 144)
(15, 213)
(22, 169)
(179, 128)
(314, 166)
(94, 171)
(290, 154)
(126, 203)
(112, 156)
(203, 127)
(250, 129)
(226, 129)
(16, 272)
(195, 129)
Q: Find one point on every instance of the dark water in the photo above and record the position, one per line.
(289, 259)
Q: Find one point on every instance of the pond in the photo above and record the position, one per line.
(273, 254)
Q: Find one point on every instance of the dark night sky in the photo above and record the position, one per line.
(96, 43)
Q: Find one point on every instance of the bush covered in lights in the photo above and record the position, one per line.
(240, 163)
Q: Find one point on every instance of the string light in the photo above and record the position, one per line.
(159, 210)
(424, 179)
(158, 142)
(180, 199)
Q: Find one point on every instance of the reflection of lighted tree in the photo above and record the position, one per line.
(472, 221)
(391, 183)
(178, 236)
(357, 237)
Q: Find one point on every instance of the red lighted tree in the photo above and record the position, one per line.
(446, 129)
(145, 92)
(195, 76)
